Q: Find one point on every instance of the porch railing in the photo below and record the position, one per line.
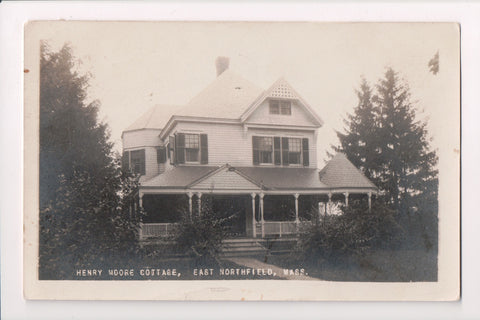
(151, 230)
(280, 228)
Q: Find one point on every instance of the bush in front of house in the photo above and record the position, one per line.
(200, 236)
(346, 237)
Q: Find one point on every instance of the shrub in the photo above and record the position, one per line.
(339, 238)
(200, 236)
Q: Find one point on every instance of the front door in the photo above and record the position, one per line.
(232, 208)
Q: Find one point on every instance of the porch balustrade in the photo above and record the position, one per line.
(150, 230)
(278, 228)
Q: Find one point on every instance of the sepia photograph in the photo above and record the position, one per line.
(288, 158)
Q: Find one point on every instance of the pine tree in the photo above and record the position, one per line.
(390, 145)
(359, 141)
(84, 194)
(408, 176)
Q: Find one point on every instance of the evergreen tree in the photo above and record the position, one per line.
(408, 176)
(84, 194)
(360, 140)
(390, 145)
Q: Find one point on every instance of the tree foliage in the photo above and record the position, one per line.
(201, 235)
(84, 194)
(390, 145)
(344, 238)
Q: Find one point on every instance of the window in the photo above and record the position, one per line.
(161, 155)
(192, 147)
(280, 151)
(262, 150)
(137, 161)
(280, 107)
(266, 147)
(294, 151)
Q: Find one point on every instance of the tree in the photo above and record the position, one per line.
(84, 194)
(360, 140)
(386, 140)
(434, 64)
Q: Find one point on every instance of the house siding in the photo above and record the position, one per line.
(230, 143)
(141, 138)
(226, 143)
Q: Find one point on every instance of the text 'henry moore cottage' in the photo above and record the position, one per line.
(251, 152)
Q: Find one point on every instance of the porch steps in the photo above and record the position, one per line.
(242, 247)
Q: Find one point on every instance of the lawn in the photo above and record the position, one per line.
(379, 265)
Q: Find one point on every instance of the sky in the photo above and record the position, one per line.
(135, 65)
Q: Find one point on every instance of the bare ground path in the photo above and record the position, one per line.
(257, 264)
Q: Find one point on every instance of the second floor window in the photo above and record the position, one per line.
(280, 151)
(189, 148)
(294, 151)
(134, 160)
(265, 147)
(192, 147)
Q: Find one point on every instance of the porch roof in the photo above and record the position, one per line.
(341, 173)
(178, 177)
(284, 178)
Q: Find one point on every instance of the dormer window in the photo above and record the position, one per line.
(283, 107)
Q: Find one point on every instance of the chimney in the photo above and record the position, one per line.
(222, 64)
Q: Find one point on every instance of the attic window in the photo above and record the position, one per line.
(280, 107)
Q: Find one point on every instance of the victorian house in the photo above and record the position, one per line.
(251, 152)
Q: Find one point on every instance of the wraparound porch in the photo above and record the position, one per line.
(258, 218)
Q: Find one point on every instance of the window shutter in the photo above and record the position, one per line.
(171, 149)
(256, 152)
(203, 149)
(180, 148)
(285, 151)
(161, 155)
(276, 148)
(125, 160)
(142, 162)
(305, 150)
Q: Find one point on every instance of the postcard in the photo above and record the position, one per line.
(290, 161)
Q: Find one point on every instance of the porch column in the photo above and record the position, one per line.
(346, 198)
(190, 206)
(254, 221)
(369, 202)
(262, 221)
(296, 195)
(199, 195)
(329, 204)
(140, 200)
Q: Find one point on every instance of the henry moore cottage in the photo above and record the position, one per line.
(251, 152)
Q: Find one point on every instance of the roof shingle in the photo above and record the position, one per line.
(341, 173)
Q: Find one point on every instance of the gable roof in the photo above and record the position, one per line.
(229, 96)
(339, 172)
(283, 90)
(225, 178)
(226, 97)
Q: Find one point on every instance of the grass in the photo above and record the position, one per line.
(377, 266)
